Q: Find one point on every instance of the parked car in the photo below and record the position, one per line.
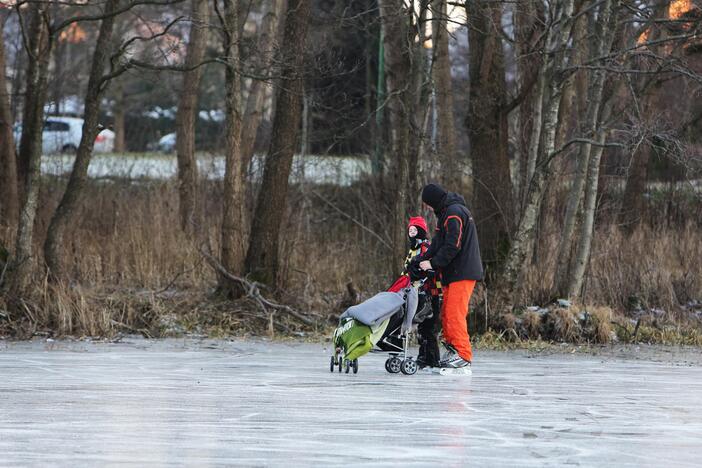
(62, 135)
(167, 143)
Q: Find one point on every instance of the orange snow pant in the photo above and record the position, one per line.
(454, 314)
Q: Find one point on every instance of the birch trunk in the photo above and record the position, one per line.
(604, 36)
(29, 162)
(257, 92)
(523, 240)
(528, 25)
(587, 226)
(602, 43)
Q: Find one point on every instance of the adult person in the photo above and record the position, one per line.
(454, 252)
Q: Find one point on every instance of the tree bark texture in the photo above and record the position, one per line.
(253, 115)
(529, 26)
(262, 256)
(582, 257)
(9, 199)
(67, 210)
(488, 131)
(395, 19)
(441, 70)
(233, 219)
(120, 114)
(553, 59)
(29, 162)
(589, 128)
(186, 118)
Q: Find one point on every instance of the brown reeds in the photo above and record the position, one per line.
(131, 263)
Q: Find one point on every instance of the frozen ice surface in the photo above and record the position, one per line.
(256, 403)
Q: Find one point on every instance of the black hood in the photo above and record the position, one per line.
(451, 198)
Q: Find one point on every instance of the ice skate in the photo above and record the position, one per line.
(453, 364)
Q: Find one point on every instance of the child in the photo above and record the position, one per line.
(428, 330)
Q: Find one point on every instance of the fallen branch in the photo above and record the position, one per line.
(253, 291)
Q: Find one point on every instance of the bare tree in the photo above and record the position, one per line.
(601, 43)
(233, 204)
(65, 214)
(9, 201)
(395, 18)
(488, 131)
(605, 26)
(187, 115)
(441, 70)
(528, 28)
(554, 56)
(632, 206)
(38, 45)
(262, 254)
(265, 47)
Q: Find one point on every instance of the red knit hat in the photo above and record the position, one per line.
(418, 221)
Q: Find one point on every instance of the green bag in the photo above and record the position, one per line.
(355, 338)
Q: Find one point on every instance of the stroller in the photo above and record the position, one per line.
(385, 322)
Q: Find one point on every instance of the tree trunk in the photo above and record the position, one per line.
(9, 201)
(631, 211)
(488, 131)
(66, 212)
(232, 254)
(529, 21)
(262, 255)
(397, 58)
(441, 68)
(29, 162)
(119, 111)
(553, 57)
(187, 117)
(587, 227)
(257, 92)
(603, 43)
(419, 111)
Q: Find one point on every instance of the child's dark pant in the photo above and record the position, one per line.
(428, 332)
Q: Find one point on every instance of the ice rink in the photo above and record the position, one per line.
(257, 403)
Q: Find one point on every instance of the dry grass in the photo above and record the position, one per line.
(531, 325)
(131, 265)
(598, 325)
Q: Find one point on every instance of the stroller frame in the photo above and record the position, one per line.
(400, 359)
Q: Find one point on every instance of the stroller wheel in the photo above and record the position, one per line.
(409, 366)
(347, 366)
(340, 362)
(354, 364)
(393, 365)
(332, 364)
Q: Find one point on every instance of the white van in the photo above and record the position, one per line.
(62, 135)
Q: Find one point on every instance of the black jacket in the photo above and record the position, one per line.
(454, 249)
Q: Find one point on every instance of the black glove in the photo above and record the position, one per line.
(415, 273)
